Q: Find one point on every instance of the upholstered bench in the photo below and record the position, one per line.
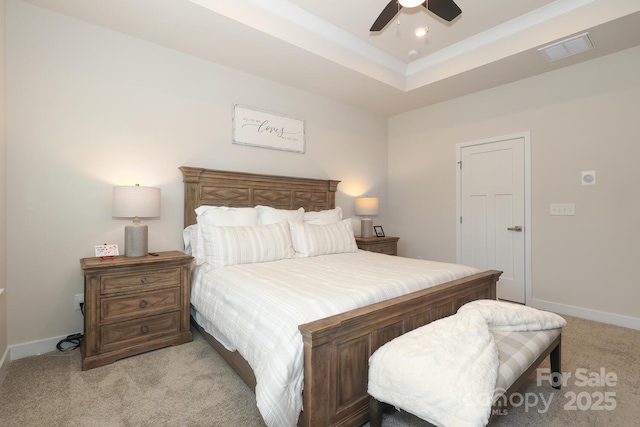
(398, 376)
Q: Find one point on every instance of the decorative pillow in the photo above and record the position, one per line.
(219, 216)
(269, 215)
(246, 244)
(329, 216)
(322, 239)
(224, 216)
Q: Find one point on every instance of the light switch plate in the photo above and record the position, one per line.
(563, 209)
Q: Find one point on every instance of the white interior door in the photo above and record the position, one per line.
(492, 212)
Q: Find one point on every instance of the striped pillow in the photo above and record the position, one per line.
(246, 244)
(322, 239)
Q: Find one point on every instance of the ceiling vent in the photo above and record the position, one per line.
(571, 46)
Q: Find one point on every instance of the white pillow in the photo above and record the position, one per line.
(269, 215)
(329, 216)
(322, 239)
(190, 238)
(246, 244)
(224, 216)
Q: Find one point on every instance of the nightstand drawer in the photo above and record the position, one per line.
(383, 245)
(386, 248)
(139, 281)
(120, 308)
(144, 329)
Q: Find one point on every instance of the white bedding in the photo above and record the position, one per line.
(256, 309)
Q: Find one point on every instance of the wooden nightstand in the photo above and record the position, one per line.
(383, 245)
(133, 305)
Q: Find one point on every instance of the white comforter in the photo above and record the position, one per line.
(453, 363)
(256, 309)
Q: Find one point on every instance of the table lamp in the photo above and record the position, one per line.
(136, 202)
(366, 206)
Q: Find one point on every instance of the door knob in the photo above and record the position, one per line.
(516, 228)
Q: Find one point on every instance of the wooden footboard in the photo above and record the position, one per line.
(337, 348)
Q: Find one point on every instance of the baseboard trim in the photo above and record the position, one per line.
(598, 316)
(4, 365)
(34, 348)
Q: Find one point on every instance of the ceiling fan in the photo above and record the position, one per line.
(445, 9)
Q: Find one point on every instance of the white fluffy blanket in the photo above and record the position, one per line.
(445, 372)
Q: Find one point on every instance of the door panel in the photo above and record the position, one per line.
(504, 240)
(477, 236)
(492, 202)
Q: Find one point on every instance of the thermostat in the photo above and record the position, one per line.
(589, 178)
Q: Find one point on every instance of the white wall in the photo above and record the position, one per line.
(89, 108)
(583, 117)
(3, 222)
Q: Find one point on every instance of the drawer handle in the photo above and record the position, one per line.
(143, 280)
(144, 329)
(143, 304)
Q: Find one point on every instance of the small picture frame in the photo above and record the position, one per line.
(377, 229)
(105, 250)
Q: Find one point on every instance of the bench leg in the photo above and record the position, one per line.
(555, 359)
(375, 412)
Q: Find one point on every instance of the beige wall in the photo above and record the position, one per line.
(89, 108)
(583, 117)
(3, 222)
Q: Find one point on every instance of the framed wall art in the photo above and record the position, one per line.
(259, 128)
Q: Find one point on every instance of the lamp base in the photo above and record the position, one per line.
(136, 240)
(366, 228)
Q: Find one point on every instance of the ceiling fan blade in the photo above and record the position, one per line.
(445, 9)
(386, 16)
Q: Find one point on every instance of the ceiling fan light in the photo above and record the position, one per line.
(410, 3)
(422, 31)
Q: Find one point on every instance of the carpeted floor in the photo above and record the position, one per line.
(190, 385)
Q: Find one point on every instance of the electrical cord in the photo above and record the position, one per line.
(71, 342)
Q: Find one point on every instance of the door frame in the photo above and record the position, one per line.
(526, 135)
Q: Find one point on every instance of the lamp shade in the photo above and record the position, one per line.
(367, 206)
(136, 201)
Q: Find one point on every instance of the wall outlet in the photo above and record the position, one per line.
(79, 298)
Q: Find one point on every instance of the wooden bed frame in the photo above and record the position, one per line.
(336, 348)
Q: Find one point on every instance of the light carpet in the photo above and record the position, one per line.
(190, 385)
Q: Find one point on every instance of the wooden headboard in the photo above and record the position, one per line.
(239, 189)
